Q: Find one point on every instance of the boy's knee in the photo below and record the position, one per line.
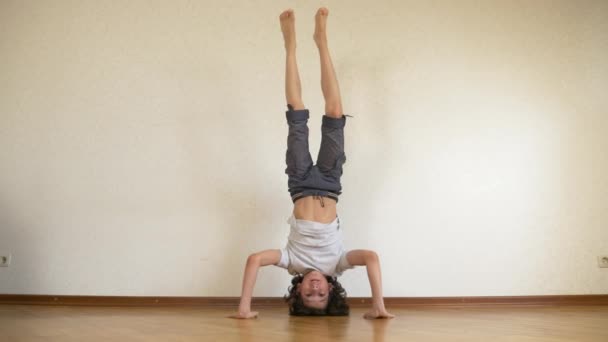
(333, 109)
(296, 105)
(334, 113)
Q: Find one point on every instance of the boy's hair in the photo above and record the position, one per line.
(336, 302)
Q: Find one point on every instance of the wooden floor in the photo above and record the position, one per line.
(414, 323)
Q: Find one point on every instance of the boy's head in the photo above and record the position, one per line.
(314, 290)
(314, 294)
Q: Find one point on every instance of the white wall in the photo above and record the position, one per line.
(142, 144)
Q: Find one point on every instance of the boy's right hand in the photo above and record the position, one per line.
(245, 315)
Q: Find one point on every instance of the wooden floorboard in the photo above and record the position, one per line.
(29, 299)
(419, 323)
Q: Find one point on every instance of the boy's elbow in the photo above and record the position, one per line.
(253, 259)
(372, 257)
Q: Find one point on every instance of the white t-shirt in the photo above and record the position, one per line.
(314, 245)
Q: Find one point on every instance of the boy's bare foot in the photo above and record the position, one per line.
(288, 28)
(320, 36)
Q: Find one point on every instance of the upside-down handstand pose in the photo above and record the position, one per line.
(314, 253)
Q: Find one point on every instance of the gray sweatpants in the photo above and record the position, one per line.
(304, 178)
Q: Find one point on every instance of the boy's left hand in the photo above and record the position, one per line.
(378, 313)
(245, 315)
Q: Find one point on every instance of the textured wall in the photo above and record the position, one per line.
(142, 144)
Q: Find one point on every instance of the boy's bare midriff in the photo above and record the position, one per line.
(310, 209)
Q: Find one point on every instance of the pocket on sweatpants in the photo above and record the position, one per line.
(337, 170)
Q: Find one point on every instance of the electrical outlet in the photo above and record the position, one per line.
(5, 259)
(602, 261)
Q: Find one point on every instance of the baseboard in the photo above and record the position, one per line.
(277, 301)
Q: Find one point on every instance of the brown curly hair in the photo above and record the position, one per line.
(336, 303)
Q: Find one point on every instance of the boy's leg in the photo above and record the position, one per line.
(298, 157)
(293, 90)
(329, 82)
(331, 153)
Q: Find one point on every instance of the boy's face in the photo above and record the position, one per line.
(314, 290)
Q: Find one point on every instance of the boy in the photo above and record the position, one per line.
(314, 253)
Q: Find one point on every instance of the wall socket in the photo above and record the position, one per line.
(5, 259)
(602, 261)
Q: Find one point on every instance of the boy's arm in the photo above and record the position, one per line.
(254, 262)
(369, 259)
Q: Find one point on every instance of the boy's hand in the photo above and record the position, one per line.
(378, 313)
(254, 262)
(245, 315)
(372, 262)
